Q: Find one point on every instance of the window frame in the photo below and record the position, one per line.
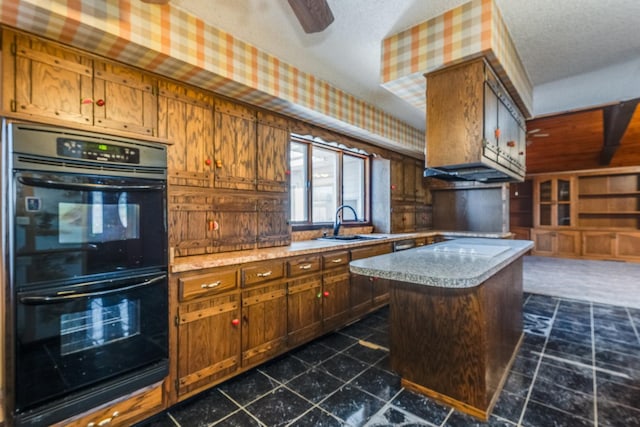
(342, 151)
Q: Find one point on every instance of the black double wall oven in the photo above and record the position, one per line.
(87, 273)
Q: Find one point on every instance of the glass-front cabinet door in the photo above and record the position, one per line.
(553, 199)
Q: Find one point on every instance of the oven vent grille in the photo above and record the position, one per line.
(61, 165)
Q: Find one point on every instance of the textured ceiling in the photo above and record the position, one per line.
(555, 39)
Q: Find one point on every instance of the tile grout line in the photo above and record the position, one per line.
(535, 372)
(595, 369)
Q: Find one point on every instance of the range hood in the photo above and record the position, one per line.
(474, 130)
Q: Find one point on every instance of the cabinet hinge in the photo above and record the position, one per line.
(176, 383)
(176, 320)
(14, 49)
(14, 105)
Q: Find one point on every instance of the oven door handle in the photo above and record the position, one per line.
(48, 183)
(50, 299)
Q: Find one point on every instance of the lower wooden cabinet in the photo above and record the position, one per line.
(365, 290)
(588, 244)
(336, 281)
(208, 345)
(123, 412)
(556, 243)
(304, 299)
(264, 312)
(618, 245)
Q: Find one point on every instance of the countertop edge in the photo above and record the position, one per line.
(199, 262)
(424, 279)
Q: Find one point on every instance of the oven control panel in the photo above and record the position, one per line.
(97, 151)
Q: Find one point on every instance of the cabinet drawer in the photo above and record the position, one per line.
(123, 413)
(304, 265)
(262, 272)
(335, 259)
(207, 284)
(370, 251)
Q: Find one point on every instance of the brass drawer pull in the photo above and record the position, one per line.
(337, 260)
(104, 422)
(210, 285)
(305, 267)
(265, 274)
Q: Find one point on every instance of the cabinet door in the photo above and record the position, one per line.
(381, 288)
(125, 99)
(273, 153)
(235, 220)
(397, 178)
(567, 243)
(409, 185)
(264, 322)
(335, 297)
(235, 147)
(544, 242)
(361, 298)
(423, 195)
(403, 218)
(185, 117)
(598, 244)
(191, 222)
(47, 80)
(628, 245)
(208, 341)
(424, 217)
(304, 309)
(273, 221)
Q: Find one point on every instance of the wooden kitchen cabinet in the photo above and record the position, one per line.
(304, 299)
(209, 331)
(125, 99)
(264, 311)
(397, 178)
(273, 153)
(365, 289)
(562, 243)
(185, 117)
(336, 282)
(409, 176)
(235, 146)
(554, 199)
(45, 80)
(274, 227)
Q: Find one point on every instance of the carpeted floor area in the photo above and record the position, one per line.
(606, 282)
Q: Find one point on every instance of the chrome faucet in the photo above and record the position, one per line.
(336, 225)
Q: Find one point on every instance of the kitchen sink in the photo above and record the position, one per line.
(349, 238)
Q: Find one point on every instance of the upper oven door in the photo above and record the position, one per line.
(70, 226)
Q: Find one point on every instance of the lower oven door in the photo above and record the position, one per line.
(74, 338)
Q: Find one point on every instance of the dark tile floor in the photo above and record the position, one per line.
(579, 365)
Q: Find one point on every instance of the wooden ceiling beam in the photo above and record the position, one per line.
(616, 119)
(314, 15)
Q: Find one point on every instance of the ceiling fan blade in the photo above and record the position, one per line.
(314, 15)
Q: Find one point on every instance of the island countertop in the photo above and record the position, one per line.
(459, 263)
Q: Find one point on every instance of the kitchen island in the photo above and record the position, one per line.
(455, 317)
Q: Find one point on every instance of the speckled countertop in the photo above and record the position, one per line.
(306, 247)
(459, 263)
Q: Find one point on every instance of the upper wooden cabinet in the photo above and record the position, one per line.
(273, 153)
(45, 81)
(235, 146)
(185, 117)
(473, 127)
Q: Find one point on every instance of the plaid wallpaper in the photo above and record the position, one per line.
(173, 43)
(476, 28)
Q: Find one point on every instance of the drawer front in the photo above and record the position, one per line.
(335, 259)
(370, 251)
(208, 284)
(262, 272)
(304, 265)
(123, 413)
